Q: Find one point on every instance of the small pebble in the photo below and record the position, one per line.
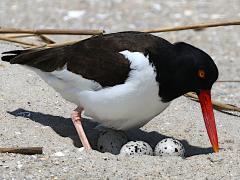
(136, 148)
(19, 165)
(59, 154)
(17, 132)
(81, 149)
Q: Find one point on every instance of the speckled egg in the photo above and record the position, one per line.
(136, 148)
(169, 147)
(111, 141)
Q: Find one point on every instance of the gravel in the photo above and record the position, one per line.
(33, 114)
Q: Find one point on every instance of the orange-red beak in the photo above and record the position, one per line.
(207, 110)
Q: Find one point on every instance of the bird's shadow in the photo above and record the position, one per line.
(65, 128)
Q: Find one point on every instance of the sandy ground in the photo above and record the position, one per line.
(49, 124)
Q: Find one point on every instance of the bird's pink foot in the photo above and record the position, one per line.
(76, 118)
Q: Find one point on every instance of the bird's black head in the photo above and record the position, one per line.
(186, 69)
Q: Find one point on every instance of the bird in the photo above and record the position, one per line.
(123, 80)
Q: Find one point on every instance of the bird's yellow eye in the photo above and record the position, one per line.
(201, 73)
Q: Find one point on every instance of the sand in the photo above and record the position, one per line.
(49, 124)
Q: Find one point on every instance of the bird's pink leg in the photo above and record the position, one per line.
(76, 118)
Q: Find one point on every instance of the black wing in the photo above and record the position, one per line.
(96, 58)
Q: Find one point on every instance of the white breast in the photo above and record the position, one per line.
(129, 105)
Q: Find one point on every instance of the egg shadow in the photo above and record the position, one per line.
(65, 128)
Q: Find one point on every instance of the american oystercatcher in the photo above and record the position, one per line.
(123, 80)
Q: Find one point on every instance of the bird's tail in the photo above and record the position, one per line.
(9, 55)
(45, 59)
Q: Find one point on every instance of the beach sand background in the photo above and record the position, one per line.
(49, 124)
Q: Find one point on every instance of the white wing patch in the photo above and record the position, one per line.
(138, 60)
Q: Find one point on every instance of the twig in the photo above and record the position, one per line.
(53, 45)
(42, 37)
(196, 26)
(46, 39)
(20, 35)
(23, 150)
(230, 81)
(216, 105)
(52, 31)
(17, 41)
(61, 44)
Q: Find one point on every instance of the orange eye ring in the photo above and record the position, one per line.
(201, 73)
